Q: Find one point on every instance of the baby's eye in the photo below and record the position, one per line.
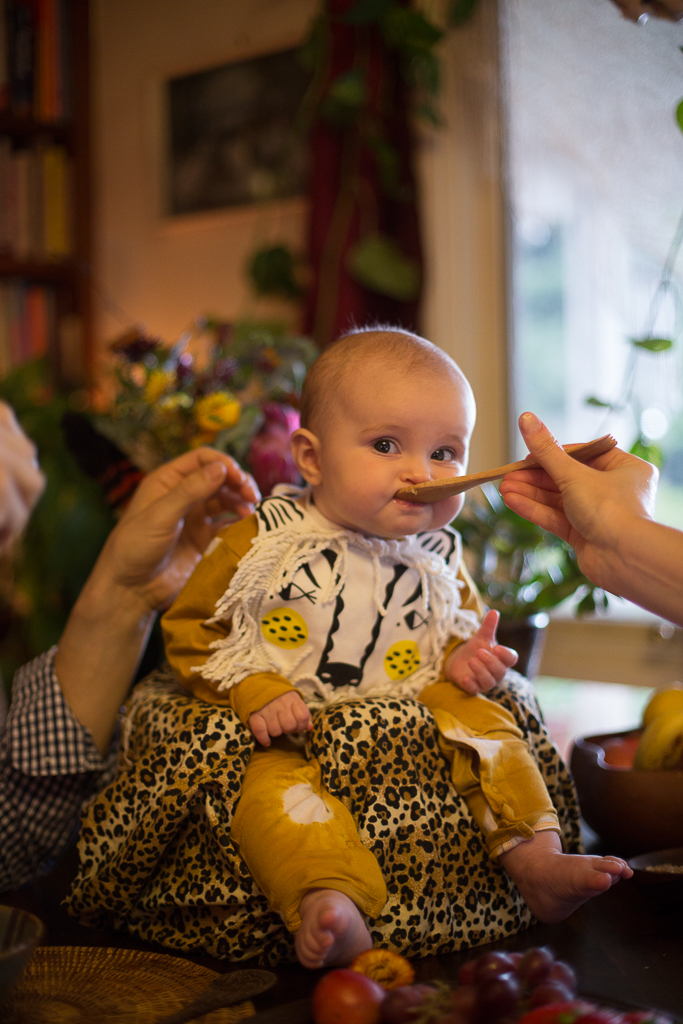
(385, 446)
(444, 455)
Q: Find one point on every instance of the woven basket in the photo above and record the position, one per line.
(86, 985)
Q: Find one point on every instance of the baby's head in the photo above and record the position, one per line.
(383, 409)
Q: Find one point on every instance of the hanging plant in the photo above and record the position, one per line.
(374, 66)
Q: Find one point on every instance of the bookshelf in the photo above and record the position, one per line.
(45, 224)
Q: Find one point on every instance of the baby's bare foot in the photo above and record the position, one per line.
(553, 884)
(332, 930)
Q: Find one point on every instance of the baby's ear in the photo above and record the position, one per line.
(306, 453)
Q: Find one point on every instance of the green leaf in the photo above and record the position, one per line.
(649, 452)
(409, 30)
(348, 89)
(378, 264)
(272, 272)
(679, 113)
(388, 163)
(364, 12)
(653, 344)
(427, 113)
(597, 402)
(460, 11)
(425, 72)
(345, 97)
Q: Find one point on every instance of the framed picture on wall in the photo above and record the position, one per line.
(231, 139)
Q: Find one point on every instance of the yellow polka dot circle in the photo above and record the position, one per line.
(401, 659)
(285, 628)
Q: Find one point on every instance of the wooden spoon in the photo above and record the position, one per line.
(436, 490)
(224, 990)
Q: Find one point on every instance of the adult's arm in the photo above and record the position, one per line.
(48, 767)
(56, 746)
(605, 511)
(142, 567)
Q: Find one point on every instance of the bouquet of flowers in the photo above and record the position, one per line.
(242, 398)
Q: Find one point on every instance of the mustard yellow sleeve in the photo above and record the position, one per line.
(471, 601)
(188, 635)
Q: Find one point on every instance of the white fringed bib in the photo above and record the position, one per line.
(341, 615)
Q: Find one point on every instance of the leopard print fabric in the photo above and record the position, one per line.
(156, 857)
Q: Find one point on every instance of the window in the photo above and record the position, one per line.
(595, 162)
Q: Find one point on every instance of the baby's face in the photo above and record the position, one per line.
(384, 432)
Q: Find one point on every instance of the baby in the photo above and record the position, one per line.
(343, 591)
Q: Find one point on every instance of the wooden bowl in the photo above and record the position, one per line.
(633, 811)
(20, 933)
(663, 886)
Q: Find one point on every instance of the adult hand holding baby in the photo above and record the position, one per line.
(144, 563)
(605, 511)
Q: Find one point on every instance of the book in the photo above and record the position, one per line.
(22, 238)
(48, 105)
(21, 38)
(4, 75)
(56, 200)
(37, 316)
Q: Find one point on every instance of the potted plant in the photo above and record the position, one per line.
(522, 571)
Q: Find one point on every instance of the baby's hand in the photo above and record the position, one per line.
(287, 713)
(478, 664)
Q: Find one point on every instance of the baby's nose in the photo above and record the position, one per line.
(416, 471)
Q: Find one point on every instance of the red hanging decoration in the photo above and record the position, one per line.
(364, 237)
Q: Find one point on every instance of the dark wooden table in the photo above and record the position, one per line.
(622, 946)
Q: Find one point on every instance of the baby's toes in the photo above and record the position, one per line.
(617, 867)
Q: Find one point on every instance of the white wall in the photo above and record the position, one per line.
(463, 216)
(150, 268)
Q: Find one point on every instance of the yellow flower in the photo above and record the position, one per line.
(216, 412)
(157, 382)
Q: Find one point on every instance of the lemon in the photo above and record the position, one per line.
(661, 745)
(664, 701)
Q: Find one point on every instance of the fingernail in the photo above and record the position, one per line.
(215, 471)
(529, 423)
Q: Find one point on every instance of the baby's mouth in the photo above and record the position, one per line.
(402, 503)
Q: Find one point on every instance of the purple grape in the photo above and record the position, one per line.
(536, 965)
(399, 1004)
(549, 992)
(466, 973)
(490, 966)
(565, 974)
(499, 996)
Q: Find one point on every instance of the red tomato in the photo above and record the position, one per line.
(558, 1013)
(347, 997)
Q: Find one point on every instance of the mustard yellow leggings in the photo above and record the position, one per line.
(295, 836)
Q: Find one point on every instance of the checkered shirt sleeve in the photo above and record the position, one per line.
(49, 765)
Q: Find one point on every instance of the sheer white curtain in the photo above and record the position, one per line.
(595, 164)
